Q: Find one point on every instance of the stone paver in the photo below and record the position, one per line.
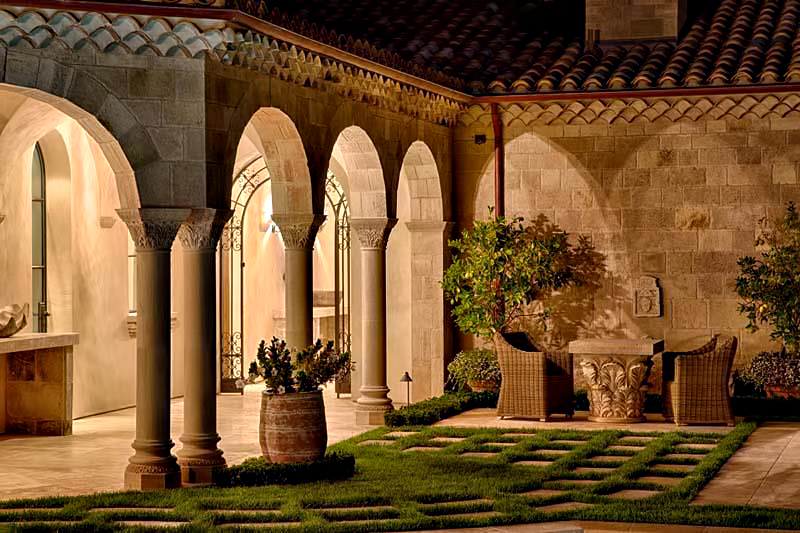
(484, 455)
(762, 472)
(422, 449)
(633, 494)
(692, 456)
(663, 480)
(543, 493)
(400, 434)
(501, 444)
(533, 463)
(548, 451)
(375, 442)
(610, 458)
(150, 523)
(706, 447)
(565, 506)
(625, 448)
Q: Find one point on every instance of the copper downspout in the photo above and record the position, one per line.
(499, 163)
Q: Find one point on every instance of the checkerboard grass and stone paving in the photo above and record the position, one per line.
(428, 478)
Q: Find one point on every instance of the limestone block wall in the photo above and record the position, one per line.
(679, 200)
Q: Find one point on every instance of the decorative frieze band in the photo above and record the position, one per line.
(153, 228)
(373, 233)
(298, 230)
(674, 109)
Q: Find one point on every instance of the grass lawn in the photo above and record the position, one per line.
(427, 477)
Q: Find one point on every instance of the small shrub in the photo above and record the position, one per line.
(429, 412)
(773, 369)
(475, 365)
(258, 471)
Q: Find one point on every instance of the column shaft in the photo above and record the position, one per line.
(200, 456)
(373, 400)
(299, 297)
(153, 466)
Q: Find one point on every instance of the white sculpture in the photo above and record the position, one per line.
(12, 319)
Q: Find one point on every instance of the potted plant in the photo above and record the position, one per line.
(769, 288)
(292, 425)
(775, 373)
(477, 369)
(500, 267)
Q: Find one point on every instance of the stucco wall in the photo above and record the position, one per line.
(677, 200)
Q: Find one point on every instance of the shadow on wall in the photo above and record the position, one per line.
(570, 312)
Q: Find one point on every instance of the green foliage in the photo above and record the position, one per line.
(770, 285)
(314, 366)
(501, 266)
(773, 369)
(258, 471)
(319, 364)
(429, 412)
(275, 365)
(475, 365)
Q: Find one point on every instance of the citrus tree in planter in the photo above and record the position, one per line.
(292, 425)
(769, 288)
(501, 267)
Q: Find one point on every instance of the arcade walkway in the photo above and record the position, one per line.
(93, 459)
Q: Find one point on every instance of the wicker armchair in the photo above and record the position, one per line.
(535, 384)
(695, 383)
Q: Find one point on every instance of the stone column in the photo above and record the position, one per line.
(200, 456)
(298, 232)
(373, 233)
(428, 242)
(152, 466)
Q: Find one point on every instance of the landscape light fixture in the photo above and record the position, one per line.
(407, 380)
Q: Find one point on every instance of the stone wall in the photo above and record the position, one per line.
(679, 200)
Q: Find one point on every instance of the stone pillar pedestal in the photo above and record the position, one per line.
(200, 457)
(153, 230)
(298, 232)
(373, 233)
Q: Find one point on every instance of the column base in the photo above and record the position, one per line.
(152, 477)
(371, 416)
(199, 475)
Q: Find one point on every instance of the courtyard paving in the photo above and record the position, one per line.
(101, 445)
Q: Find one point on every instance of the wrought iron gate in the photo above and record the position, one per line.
(232, 271)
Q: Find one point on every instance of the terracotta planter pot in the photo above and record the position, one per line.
(292, 427)
(482, 385)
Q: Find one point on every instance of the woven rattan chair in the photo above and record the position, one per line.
(535, 384)
(695, 383)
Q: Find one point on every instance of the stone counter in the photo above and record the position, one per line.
(36, 383)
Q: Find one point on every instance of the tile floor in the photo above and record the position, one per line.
(100, 445)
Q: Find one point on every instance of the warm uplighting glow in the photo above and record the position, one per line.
(265, 223)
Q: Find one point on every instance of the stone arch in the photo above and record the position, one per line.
(358, 155)
(283, 151)
(415, 264)
(125, 143)
(422, 175)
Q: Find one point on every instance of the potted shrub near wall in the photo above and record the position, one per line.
(478, 369)
(292, 426)
(769, 288)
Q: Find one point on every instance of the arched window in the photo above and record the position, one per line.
(39, 241)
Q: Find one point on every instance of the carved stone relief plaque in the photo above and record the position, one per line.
(647, 297)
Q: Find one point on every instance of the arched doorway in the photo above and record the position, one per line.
(242, 286)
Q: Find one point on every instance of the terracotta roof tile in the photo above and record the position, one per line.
(492, 48)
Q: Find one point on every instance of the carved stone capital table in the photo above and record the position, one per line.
(616, 371)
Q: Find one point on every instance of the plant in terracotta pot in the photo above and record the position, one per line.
(501, 267)
(775, 373)
(769, 288)
(477, 369)
(292, 426)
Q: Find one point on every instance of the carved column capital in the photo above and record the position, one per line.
(298, 230)
(373, 233)
(154, 228)
(195, 232)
